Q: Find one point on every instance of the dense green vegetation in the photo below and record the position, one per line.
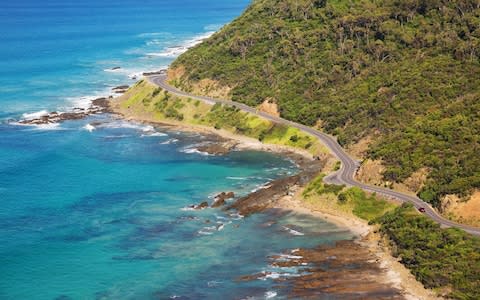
(406, 72)
(437, 257)
(361, 204)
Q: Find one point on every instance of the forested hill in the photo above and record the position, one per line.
(406, 72)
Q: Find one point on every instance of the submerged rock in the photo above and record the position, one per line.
(267, 196)
(346, 270)
(200, 206)
(218, 148)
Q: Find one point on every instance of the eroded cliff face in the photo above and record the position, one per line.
(204, 87)
(466, 210)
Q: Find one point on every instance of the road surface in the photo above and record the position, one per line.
(349, 167)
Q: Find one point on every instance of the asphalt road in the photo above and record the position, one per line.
(345, 175)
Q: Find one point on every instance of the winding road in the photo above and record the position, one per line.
(349, 166)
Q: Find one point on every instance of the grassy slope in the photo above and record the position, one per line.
(349, 200)
(406, 72)
(144, 99)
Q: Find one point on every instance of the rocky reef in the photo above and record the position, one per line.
(97, 106)
(346, 270)
(268, 195)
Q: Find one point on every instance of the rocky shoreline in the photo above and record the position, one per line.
(350, 269)
(326, 276)
(345, 270)
(97, 106)
(269, 195)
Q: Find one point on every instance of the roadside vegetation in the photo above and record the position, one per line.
(402, 72)
(144, 98)
(446, 260)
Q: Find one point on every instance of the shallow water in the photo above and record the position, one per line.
(97, 208)
(104, 214)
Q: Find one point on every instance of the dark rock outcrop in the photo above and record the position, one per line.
(121, 87)
(267, 196)
(219, 199)
(200, 206)
(218, 148)
(99, 105)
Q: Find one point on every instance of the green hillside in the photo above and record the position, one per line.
(406, 72)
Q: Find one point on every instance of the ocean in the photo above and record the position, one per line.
(104, 213)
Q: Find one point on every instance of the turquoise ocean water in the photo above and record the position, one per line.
(102, 214)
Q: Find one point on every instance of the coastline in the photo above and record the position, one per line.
(397, 275)
(242, 142)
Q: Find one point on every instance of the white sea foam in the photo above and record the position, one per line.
(276, 275)
(187, 208)
(49, 126)
(236, 178)
(289, 257)
(293, 232)
(148, 128)
(205, 232)
(193, 151)
(89, 127)
(154, 134)
(174, 51)
(85, 101)
(264, 186)
(113, 70)
(154, 34)
(270, 294)
(236, 216)
(170, 141)
(120, 136)
(213, 283)
(34, 115)
(127, 125)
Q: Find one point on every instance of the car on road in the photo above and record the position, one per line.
(421, 209)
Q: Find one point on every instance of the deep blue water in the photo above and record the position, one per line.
(54, 52)
(101, 214)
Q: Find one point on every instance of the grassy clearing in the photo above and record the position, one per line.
(163, 106)
(353, 200)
